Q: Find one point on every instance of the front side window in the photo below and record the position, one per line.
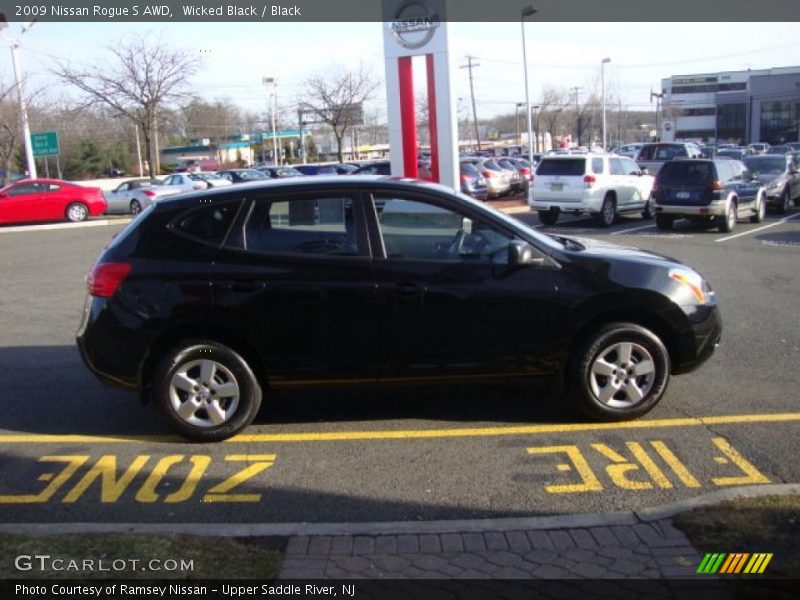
(615, 166)
(321, 226)
(25, 188)
(416, 230)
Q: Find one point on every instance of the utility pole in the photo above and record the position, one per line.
(658, 97)
(470, 65)
(577, 89)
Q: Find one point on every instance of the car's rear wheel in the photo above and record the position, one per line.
(783, 202)
(727, 222)
(760, 210)
(647, 212)
(136, 208)
(77, 212)
(664, 222)
(548, 217)
(206, 391)
(620, 372)
(608, 211)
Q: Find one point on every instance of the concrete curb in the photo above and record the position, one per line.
(52, 226)
(411, 527)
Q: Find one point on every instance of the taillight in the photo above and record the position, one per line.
(489, 174)
(465, 178)
(589, 181)
(149, 193)
(716, 185)
(524, 171)
(104, 278)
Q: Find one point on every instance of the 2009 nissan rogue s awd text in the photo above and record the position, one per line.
(209, 301)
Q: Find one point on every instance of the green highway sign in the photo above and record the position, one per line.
(45, 143)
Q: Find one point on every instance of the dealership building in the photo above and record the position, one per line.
(733, 106)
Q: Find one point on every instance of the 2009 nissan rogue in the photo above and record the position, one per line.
(209, 301)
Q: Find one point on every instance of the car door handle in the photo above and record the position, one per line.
(246, 285)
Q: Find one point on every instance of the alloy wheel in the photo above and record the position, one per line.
(622, 375)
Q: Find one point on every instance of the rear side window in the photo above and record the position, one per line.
(208, 224)
(686, 174)
(324, 225)
(597, 166)
(575, 167)
(615, 164)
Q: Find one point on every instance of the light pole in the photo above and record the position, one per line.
(526, 12)
(270, 81)
(26, 130)
(603, 93)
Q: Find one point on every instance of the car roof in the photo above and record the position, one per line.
(323, 182)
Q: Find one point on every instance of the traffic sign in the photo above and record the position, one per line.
(45, 143)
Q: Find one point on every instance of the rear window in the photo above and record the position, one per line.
(562, 166)
(662, 152)
(469, 169)
(686, 174)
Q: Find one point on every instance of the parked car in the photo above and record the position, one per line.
(778, 174)
(498, 179)
(519, 182)
(113, 172)
(734, 153)
(782, 150)
(241, 175)
(126, 197)
(346, 168)
(271, 286)
(653, 156)
(708, 191)
(317, 169)
(602, 185)
(379, 167)
(795, 146)
(31, 200)
(472, 182)
(629, 150)
(187, 182)
(757, 148)
(280, 172)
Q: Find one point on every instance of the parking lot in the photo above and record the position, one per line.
(76, 451)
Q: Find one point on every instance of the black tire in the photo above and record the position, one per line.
(664, 222)
(647, 213)
(608, 212)
(230, 368)
(631, 395)
(135, 208)
(76, 212)
(548, 217)
(761, 209)
(783, 202)
(727, 222)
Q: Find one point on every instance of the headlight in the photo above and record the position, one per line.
(694, 281)
(773, 186)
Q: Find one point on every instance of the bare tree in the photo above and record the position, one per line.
(551, 114)
(10, 130)
(333, 98)
(142, 77)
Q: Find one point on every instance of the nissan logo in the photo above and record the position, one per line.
(414, 25)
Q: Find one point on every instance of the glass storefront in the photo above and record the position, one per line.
(779, 122)
(732, 123)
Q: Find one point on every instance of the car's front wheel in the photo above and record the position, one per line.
(760, 209)
(783, 202)
(206, 391)
(620, 372)
(136, 208)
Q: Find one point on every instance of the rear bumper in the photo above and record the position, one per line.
(716, 208)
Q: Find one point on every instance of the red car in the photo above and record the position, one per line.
(49, 200)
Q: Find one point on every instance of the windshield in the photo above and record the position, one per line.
(766, 164)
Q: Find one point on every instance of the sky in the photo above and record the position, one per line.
(236, 56)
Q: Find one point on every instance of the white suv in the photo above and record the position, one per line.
(603, 185)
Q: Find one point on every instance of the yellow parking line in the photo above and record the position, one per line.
(402, 434)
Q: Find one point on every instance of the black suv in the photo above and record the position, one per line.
(209, 300)
(707, 191)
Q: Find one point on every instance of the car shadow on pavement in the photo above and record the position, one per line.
(48, 390)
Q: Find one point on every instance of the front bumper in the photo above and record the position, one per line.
(706, 334)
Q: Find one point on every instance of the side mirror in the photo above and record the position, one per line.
(644, 171)
(522, 253)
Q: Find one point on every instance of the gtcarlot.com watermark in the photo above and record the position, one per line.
(37, 563)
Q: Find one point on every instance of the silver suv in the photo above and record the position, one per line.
(602, 185)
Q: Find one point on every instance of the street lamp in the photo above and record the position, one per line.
(26, 130)
(270, 81)
(526, 12)
(603, 88)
